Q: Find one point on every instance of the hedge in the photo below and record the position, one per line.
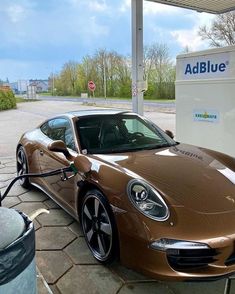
(7, 100)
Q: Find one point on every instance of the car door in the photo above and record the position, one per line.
(62, 191)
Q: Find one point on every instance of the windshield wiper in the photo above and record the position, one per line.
(157, 146)
(133, 149)
(137, 148)
(126, 150)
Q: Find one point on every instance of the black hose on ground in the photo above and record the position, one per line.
(42, 175)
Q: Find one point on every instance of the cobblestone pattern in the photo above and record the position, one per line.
(66, 264)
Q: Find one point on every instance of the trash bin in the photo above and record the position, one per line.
(17, 253)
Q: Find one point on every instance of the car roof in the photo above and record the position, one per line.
(88, 113)
(94, 112)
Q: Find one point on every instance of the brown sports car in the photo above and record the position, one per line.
(164, 208)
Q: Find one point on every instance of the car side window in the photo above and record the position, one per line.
(59, 129)
(45, 128)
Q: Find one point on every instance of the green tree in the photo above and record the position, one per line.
(111, 73)
(159, 72)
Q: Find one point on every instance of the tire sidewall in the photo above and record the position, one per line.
(25, 182)
(114, 251)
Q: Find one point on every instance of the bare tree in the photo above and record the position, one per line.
(221, 32)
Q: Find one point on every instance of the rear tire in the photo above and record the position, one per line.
(99, 227)
(22, 167)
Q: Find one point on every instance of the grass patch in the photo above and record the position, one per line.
(45, 94)
(21, 99)
(145, 100)
(111, 98)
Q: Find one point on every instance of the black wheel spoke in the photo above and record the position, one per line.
(24, 166)
(19, 159)
(90, 234)
(97, 205)
(87, 212)
(101, 245)
(106, 228)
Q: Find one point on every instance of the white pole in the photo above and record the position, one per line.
(137, 55)
(53, 83)
(105, 83)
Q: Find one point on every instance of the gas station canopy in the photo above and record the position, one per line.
(211, 6)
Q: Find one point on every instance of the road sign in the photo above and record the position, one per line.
(91, 86)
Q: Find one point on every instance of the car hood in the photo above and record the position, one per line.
(196, 178)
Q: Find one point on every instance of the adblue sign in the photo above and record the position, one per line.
(204, 67)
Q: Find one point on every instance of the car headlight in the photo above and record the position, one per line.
(147, 200)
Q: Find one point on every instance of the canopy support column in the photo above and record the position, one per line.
(137, 56)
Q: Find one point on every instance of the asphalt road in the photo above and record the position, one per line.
(103, 100)
(28, 115)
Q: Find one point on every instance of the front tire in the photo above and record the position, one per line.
(22, 167)
(99, 227)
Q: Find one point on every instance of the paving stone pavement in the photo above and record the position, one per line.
(65, 265)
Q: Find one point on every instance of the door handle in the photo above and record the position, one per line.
(41, 152)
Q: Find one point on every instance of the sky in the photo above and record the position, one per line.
(38, 36)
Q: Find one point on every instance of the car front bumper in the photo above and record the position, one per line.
(213, 259)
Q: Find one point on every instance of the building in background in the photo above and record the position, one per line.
(22, 86)
(14, 87)
(40, 85)
(5, 85)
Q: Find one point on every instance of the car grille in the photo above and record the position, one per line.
(185, 259)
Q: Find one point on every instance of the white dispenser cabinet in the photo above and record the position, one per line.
(205, 99)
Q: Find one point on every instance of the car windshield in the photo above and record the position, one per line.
(119, 133)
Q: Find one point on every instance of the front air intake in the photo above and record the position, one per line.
(188, 259)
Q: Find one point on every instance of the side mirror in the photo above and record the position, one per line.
(169, 133)
(59, 146)
(82, 164)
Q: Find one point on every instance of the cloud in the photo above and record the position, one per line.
(26, 69)
(150, 7)
(125, 6)
(95, 30)
(157, 8)
(91, 5)
(189, 37)
(35, 33)
(16, 12)
(177, 27)
(98, 6)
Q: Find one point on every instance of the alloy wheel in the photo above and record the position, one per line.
(97, 227)
(22, 167)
